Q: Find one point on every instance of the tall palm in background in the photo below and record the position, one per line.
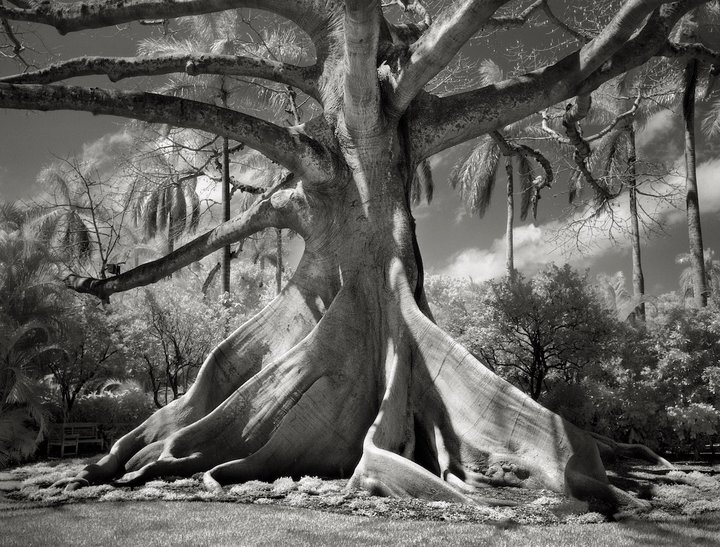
(475, 174)
(615, 159)
(687, 276)
(698, 26)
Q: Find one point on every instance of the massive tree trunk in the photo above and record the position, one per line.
(697, 261)
(344, 373)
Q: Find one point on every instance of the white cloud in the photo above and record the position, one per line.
(537, 246)
(658, 125)
(533, 248)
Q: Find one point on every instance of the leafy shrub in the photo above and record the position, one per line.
(130, 406)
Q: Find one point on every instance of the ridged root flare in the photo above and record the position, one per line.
(368, 388)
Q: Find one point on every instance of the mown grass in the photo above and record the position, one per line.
(310, 511)
(214, 523)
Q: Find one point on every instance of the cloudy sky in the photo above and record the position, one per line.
(452, 242)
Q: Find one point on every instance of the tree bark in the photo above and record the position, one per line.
(509, 261)
(638, 279)
(279, 261)
(226, 213)
(697, 261)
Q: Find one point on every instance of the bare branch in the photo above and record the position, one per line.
(290, 147)
(276, 208)
(621, 118)
(118, 68)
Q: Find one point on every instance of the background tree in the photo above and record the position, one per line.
(543, 330)
(90, 354)
(436, 413)
(687, 277)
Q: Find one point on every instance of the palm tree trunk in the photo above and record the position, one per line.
(226, 212)
(278, 271)
(509, 259)
(700, 291)
(638, 279)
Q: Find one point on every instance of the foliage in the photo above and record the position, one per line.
(543, 330)
(130, 405)
(168, 330)
(28, 311)
(90, 351)
(533, 332)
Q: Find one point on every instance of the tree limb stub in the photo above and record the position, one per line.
(287, 146)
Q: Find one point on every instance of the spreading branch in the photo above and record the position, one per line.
(435, 49)
(288, 146)
(118, 68)
(279, 207)
(310, 15)
(439, 123)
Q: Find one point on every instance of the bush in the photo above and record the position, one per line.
(130, 406)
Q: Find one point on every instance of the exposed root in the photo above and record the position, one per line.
(610, 450)
(246, 351)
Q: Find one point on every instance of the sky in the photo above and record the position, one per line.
(452, 241)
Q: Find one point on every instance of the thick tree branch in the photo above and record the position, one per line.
(313, 16)
(287, 146)
(439, 123)
(118, 68)
(434, 50)
(279, 207)
(362, 88)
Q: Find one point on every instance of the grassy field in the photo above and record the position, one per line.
(685, 511)
(215, 523)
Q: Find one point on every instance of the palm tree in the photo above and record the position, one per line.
(169, 209)
(711, 268)
(692, 31)
(474, 176)
(616, 158)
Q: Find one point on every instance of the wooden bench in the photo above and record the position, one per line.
(75, 436)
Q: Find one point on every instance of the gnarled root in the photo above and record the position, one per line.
(371, 386)
(610, 450)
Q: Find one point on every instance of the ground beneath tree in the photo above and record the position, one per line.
(685, 492)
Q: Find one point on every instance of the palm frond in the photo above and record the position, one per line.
(475, 175)
(526, 176)
(711, 121)
(422, 183)
(489, 72)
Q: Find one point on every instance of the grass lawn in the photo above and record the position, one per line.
(215, 523)
(686, 511)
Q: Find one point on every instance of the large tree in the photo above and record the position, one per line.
(345, 373)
